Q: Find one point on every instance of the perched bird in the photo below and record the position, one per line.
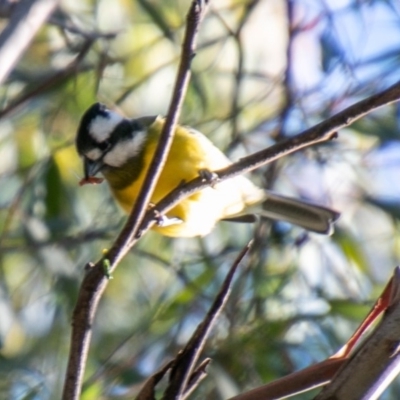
(122, 150)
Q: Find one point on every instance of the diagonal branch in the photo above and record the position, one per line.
(187, 358)
(322, 132)
(373, 367)
(95, 280)
(131, 229)
(184, 377)
(362, 375)
(26, 19)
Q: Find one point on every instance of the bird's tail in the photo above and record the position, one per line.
(307, 215)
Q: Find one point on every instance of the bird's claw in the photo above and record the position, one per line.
(162, 220)
(208, 176)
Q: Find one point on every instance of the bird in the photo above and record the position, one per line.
(121, 149)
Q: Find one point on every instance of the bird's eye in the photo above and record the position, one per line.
(104, 146)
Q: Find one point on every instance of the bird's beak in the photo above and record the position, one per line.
(91, 168)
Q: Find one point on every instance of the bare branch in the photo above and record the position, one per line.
(147, 392)
(184, 376)
(365, 375)
(186, 360)
(95, 281)
(322, 132)
(293, 384)
(54, 79)
(197, 376)
(131, 229)
(26, 19)
(374, 366)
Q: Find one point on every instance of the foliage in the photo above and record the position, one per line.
(264, 70)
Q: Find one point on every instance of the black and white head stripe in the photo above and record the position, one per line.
(85, 141)
(125, 149)
(104, 134)
(103, 124)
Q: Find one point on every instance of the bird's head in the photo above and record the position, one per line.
(106, 140)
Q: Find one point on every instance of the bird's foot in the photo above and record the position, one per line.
(162, 220)
(209, 177)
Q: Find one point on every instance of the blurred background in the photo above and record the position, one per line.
(264, 70)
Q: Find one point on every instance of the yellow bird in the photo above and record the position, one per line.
(122, 149)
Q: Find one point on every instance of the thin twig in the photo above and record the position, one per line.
(147, 392)
(95, 280)
(197, 376)
(185, 362)
(184, 376)
(322, 132)
(132, 226)
(239, 73)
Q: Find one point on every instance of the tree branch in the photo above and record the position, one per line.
(376, 363)
(322, 132)
(187, 358)
(364, 375)
(26, 19)
(95, 280)
(184, 377)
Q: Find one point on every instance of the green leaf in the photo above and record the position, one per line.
(58, 209)
(349, 309)
(352, 249)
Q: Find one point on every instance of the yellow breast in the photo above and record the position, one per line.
(191, 152)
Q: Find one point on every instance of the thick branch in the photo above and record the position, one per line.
(374, 366)
(364, 375)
